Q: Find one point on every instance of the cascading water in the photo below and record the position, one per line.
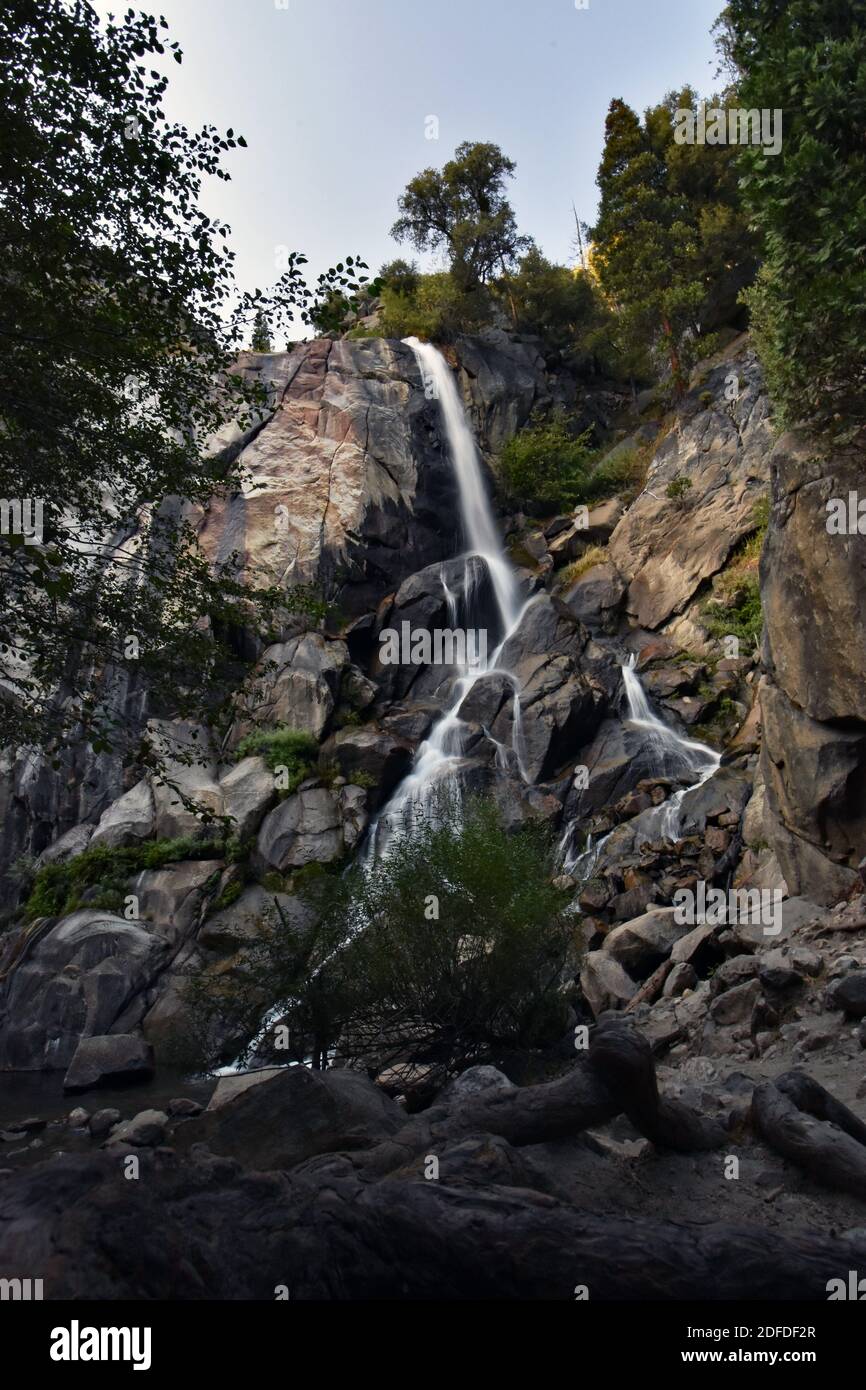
(439, 755)
(666, 754)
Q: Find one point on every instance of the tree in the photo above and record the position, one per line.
(807, 59)
(559, 304)
(463, 209)
(120, 324)
(261, 339)
(668, 224)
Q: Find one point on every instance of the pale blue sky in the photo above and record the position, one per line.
(332, 97)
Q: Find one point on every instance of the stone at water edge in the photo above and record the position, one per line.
(144, 1130)
(116, 1059)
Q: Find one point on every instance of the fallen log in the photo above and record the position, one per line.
(809, 1127)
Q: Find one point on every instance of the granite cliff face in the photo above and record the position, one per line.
(352, 489)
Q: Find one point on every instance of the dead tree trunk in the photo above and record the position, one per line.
(807, 1125)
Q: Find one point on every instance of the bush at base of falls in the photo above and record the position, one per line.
(451, 950)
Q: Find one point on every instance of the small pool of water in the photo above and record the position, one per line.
(27, 1095)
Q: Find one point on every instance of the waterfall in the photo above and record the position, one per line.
(441, 752)
(667, 754)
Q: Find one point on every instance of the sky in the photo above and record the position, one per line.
(335, 100)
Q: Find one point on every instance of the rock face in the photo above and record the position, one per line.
(83, 977)
(667, 549)
(813, 703)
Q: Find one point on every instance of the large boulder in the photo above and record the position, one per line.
(82, 976)
(129, 820)
(644, 942)
(316, 825)
(111, 1060)
(296, 683)
(249, 790)
(294, 1114)
(379, 758)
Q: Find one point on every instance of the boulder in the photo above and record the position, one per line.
(295, 683)
(849, 993)
(293, 1114)
(305, 828)
(643, 943)
(145, 1130)
(102, 1122)
(735, 1005)
(597, 596)
(128, 820)
(79, 977)
(604, 983)
(372, 753)
(249, 790)
(189, 771)
(173, 898)
(110, 1060)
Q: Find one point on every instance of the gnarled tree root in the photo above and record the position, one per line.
(807, 1125)
(622, 1058)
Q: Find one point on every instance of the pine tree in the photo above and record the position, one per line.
(261, 339)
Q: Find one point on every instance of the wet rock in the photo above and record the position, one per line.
(145, 1130)
(78, 1118)
(102, 1122)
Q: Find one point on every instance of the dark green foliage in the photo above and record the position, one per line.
(462, 209)
(807, 58)
(58, 888)
(375, 972)
(561, 306)
(261, 338)
(668, 229)
(436, 309)
(547, 466)
(292, 749)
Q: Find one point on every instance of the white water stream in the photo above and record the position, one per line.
(441, 752)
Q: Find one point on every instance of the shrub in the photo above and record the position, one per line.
(375, 974)
(547, 467)
(436, 310)
(58, 888)
(677, 489)
(282, 747)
